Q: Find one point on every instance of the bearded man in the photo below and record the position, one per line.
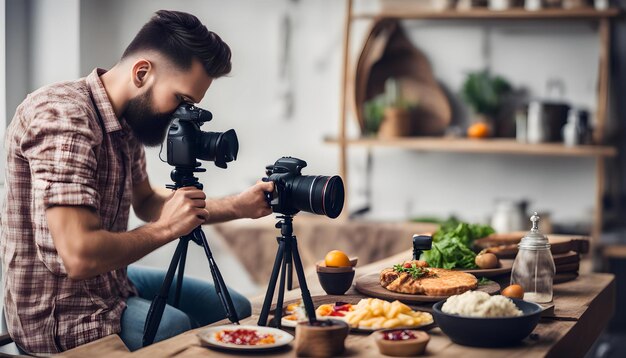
(75, 165)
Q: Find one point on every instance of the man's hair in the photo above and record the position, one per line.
(180, 37)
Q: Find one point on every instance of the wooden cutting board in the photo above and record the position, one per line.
(566, 258)
(369, 285)
(505, 245)
(573, 267)
(505, 268)
(565, 277)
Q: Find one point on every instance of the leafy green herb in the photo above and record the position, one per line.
(483, 281)
(452, 245)
(414, 271)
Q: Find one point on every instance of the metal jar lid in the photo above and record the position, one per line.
(534, 239)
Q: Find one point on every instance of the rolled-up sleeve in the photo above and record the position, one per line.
(60, 145)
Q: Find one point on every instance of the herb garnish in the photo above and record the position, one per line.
(414, 271)
(483, 281)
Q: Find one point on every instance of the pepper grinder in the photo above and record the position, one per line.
(533, 268)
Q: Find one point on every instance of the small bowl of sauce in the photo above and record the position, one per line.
(401, 342)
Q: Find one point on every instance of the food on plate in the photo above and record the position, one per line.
(487, 260)
(295, 312)
(399, 335)
(452, 245)
(244, 337)
(339, 309)
(514, 291)
(374, 313)
(337, 258)
(415, 277)
(480, 304)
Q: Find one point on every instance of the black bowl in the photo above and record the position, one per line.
(489, 332)
(336, 283)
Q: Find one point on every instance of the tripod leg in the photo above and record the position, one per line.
(218, 280)
(269, 295)
(155, 313)
(289, 266)
(306, 295)
(278, 313)
(181, 273)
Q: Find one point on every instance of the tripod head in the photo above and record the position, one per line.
(183, 176)
(285, 225)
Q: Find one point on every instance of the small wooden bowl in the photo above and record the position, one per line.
(321, 341)
(321, 266)
(336, 283)
(403, 348)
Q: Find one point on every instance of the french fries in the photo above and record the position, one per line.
(374, 313)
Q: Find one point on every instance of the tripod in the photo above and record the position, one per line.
(182, 178)
(286, 256)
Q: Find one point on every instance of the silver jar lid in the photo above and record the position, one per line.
(534, 239)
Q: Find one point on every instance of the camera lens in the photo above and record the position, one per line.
(321, 195)
(220, 147)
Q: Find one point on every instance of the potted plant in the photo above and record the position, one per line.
(485, 94)
(388, 114)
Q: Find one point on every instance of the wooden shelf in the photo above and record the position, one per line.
(485, 14)
(496, 146)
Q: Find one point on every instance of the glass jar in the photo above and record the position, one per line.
(533, 268)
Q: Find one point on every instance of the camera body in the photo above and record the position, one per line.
(186, 142)
(294, 192)
(282, 174)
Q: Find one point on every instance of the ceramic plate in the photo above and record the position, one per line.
(207, 337)
(292, 324)
(423, 327)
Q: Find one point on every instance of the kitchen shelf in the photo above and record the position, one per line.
(599, 152)
(495, 145)
(485, 14)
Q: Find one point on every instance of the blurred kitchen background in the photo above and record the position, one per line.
(536, 94)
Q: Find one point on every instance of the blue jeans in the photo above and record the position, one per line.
(199, 306)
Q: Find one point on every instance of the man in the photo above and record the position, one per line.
(75, 164)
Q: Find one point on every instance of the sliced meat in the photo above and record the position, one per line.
(440, 282)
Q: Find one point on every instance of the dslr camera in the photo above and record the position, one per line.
(186, 142)
(318, 194)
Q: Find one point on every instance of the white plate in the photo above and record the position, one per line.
(425, 327)
(207, 337)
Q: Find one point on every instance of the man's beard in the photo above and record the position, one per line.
(148, 126)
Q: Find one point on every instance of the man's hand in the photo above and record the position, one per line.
(251, 203)
(183, 211)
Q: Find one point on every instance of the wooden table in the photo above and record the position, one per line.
(583, 308)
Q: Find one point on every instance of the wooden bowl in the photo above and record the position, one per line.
(403, 348)
(336, 283)
(321, 341)
(321, 266)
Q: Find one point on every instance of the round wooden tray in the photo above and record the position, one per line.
(369, 285)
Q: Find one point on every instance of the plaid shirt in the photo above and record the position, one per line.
(65, 146)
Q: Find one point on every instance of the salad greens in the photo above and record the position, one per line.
(413, 270)
(452, 245)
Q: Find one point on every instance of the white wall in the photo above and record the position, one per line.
(251, 99)
(54, 49)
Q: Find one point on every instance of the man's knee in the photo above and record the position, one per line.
(174, 322)
(242, 305)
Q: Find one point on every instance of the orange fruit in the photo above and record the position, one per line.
(514, 291)
(478, 130)
(337, 258)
